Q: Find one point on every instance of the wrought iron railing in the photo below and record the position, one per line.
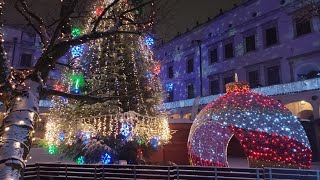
(48, 171)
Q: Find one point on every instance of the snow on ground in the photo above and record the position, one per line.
(41, 156)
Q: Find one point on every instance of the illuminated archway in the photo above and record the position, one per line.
(175, 116)
(301, 109)
(268, 132)
(187, 116)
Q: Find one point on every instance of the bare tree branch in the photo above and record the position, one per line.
(136, 7)
(4, 71)
(64, 19)
(96, 24)
(84, 98)
(94, 35)
(52, 54)
(103, 88)
(304, 10)
(65, 65)
(55, 21)
(36, 22)
(28, 19)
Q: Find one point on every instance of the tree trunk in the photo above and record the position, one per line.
(17, 129)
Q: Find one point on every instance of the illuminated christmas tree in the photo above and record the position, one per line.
(124, 72)
(21, 89)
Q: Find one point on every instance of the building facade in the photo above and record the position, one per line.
(269, 44)
(23, 48)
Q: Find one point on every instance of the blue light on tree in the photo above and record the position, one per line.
(154, 142)
(77, 51)
(87, 137)
(149, 41)
(125, 129)
(81, 160)
(106, 158)
(76, 91)
(169, 87)
(149, 75)
(61, 137)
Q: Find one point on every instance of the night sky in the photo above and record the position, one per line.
(185, 13)
(180, 14)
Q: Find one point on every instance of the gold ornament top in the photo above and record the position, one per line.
(237, 87)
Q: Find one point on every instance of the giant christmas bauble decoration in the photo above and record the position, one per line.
(268, 132)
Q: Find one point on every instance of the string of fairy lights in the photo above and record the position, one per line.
(98, 63)
(131, 125)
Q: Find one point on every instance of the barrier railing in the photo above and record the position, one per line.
(49, 171)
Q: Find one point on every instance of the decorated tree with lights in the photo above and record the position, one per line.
(116, 76)
(122, 68)
(20, 90)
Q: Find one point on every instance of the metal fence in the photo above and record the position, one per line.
(49, 171)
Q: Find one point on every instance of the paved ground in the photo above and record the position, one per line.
(40, 155)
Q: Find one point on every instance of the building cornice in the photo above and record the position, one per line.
(304, 55)
(226, 31)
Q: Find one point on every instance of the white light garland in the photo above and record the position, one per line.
(294, 87)
(142, 127)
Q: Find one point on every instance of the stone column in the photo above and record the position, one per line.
(262, 75)
(316, 108)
